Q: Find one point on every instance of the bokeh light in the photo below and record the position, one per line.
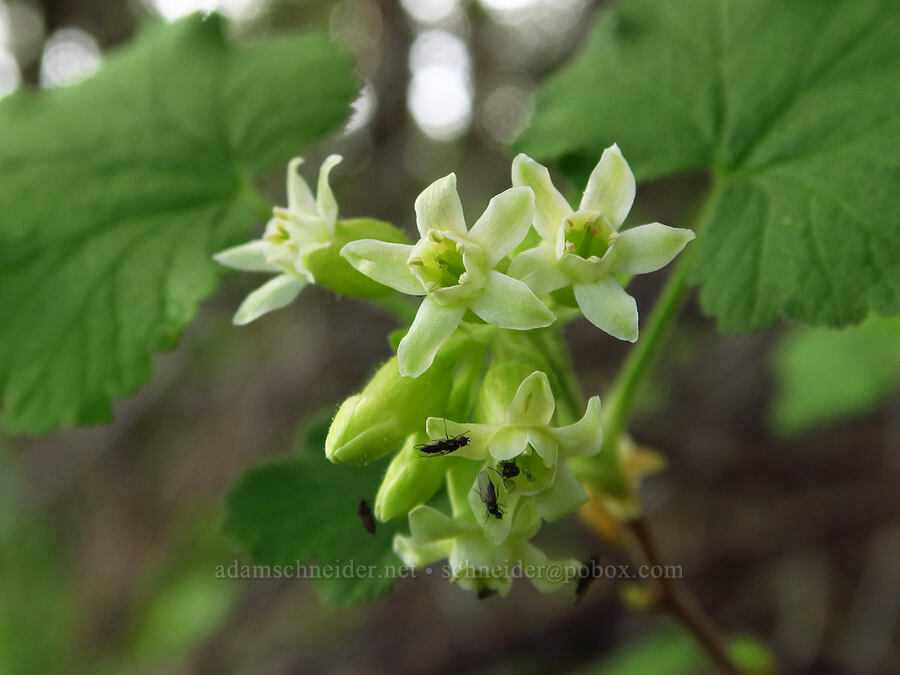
(236, 10)
(70, 55)
(440, 91)
(430, 11)
(10, 77)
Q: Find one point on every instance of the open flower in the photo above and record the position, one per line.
(292, 234)
(454, 268)
(538, 450)
(585, 248)
(477, 562)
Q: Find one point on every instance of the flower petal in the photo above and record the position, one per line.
(610, 189)
(509, 303)
(551, 208)
(272, 295)
(420, 555)
(546, 575)
(647, 248)
(606, 305)
(585, 437)
(538, 268)
(533, 404)
(427, 524)
(479, 436)
(432, 326)
(544, 444)
(564, 496)
(300, 197)
(504, 223)
(508, 442)
(385, 263)
(439, 208)
(325, 202)
(496, 530)
(249, 257)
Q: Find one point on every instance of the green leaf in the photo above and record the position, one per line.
(791, 105)
(117, 191)
(824, 376)
(304, 510)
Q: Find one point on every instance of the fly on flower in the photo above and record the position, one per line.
(443, 446)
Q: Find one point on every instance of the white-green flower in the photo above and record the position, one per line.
(453, 267)
(307, 224)
(476, 562)
(538, 449)
(585, 248)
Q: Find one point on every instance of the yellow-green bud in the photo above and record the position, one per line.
(411, 479)
(332, 271)
(376, 421)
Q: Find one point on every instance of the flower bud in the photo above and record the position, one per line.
(331, 270)
(410, 480)
(376, 421)
(498, 390)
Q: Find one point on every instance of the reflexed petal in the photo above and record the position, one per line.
(325, 202)
(427, 524)
(606, 305)
(509, 303)
(533, 404)
(610, 189)
(420, 555)
(385, 263)
(538, 268)
(564, 496)
(504, 223)
(272, 295)
(546, 575)
(478, 434)
(508, 442)
(585, 437)
(648, 247)
(432, 326)
(544, 444)
(439, 208)
(551, 207)
(300, 198)
(249, 257)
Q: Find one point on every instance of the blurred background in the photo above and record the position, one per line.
(780, 499)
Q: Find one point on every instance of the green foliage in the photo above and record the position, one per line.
(792, 105)
(304, 510)
(117, 191)
(826, 375)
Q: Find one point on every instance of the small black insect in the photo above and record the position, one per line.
(365, 515)
(443, 446)
(586, 576)
(486, 592)
(488, 494)
(509, 468)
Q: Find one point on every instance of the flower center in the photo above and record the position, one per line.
(588, 235)
(437, 261)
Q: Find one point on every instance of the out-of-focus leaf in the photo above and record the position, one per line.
(115, 192)
(792, 105)
(824, 376)
(666, 652)
(303, 511)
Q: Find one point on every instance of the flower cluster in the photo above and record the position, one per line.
(473, 399)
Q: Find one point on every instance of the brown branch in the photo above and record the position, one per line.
(681, 604)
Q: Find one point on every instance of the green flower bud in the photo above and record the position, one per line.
(332, 271)
(498, 390)
(410, 480)
(376, 421)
